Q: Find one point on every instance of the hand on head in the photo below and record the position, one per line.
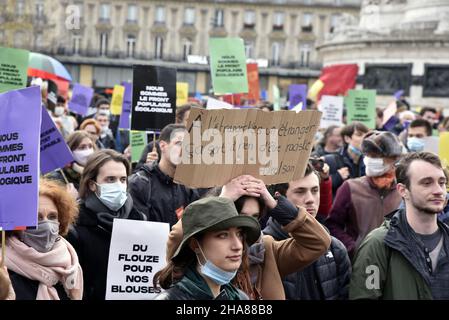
(246, 185)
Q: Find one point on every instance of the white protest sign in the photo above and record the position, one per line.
(136, 253)
(431, 144)
(214, 104)
(332, 108)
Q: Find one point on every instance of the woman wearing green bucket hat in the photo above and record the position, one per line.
(212, 249)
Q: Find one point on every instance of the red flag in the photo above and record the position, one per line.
(253, 95)
(338, 79)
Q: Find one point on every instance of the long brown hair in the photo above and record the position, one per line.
(175, 269)
(93, 165)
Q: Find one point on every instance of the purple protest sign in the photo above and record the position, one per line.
(297, 93)
(20, 127)
(54, 151)
(81, 98)
(127, 103)
(398, 94)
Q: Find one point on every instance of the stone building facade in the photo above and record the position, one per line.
(398, 44)
(99, 41)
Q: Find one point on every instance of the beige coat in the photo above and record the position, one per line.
(309, 240)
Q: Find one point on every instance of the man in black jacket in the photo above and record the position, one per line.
(348, 162)
(152, 187)
(328, 277)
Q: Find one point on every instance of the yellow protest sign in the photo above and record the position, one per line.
(117, 99)
(182, 93)
(444, 148)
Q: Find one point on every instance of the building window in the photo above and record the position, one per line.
(219, 18)
(307, 22)
(19, 39)
(20, 7)
(76, 43)
(39, 9)
(189, 16)
(187, 49)
(334, 21)
(104, 12)
(159, 48)
(276, 53)
(132, 13)
(38, 40)
(80, 6)
(130, 46)
(337, 2)
(278, 21)
(249, 49)
(160, 14)
(249, 19)
(103, 44)
(304, 52)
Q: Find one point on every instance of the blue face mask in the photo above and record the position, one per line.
(415, 144)
(210, 270)
(113, 195)
(354, 150)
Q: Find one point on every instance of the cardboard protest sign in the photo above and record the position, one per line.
(443, 148)
(126, 107)
(228, 65)
(13, 68)
(214, 104)
(297, 94)
(182, 93)
(81, 98)
(332, 108)
(20, 127)
(361, 106)
(154, 98)
(117, 100)
(223, 144)
(54, 153)
(136, 253)
(138, 141)
(252, 70)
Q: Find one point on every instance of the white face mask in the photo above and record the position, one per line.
(104, 112)
(59, 111)
(113, 195)
(375, 167)
(81, 156)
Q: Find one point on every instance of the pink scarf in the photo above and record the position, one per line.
(60, 264)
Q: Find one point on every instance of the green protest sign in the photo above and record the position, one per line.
(13, 69)
(228, 65)
(361, 106)
(138, 141)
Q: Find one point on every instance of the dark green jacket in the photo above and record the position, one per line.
(193, 287)
(390, 264)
